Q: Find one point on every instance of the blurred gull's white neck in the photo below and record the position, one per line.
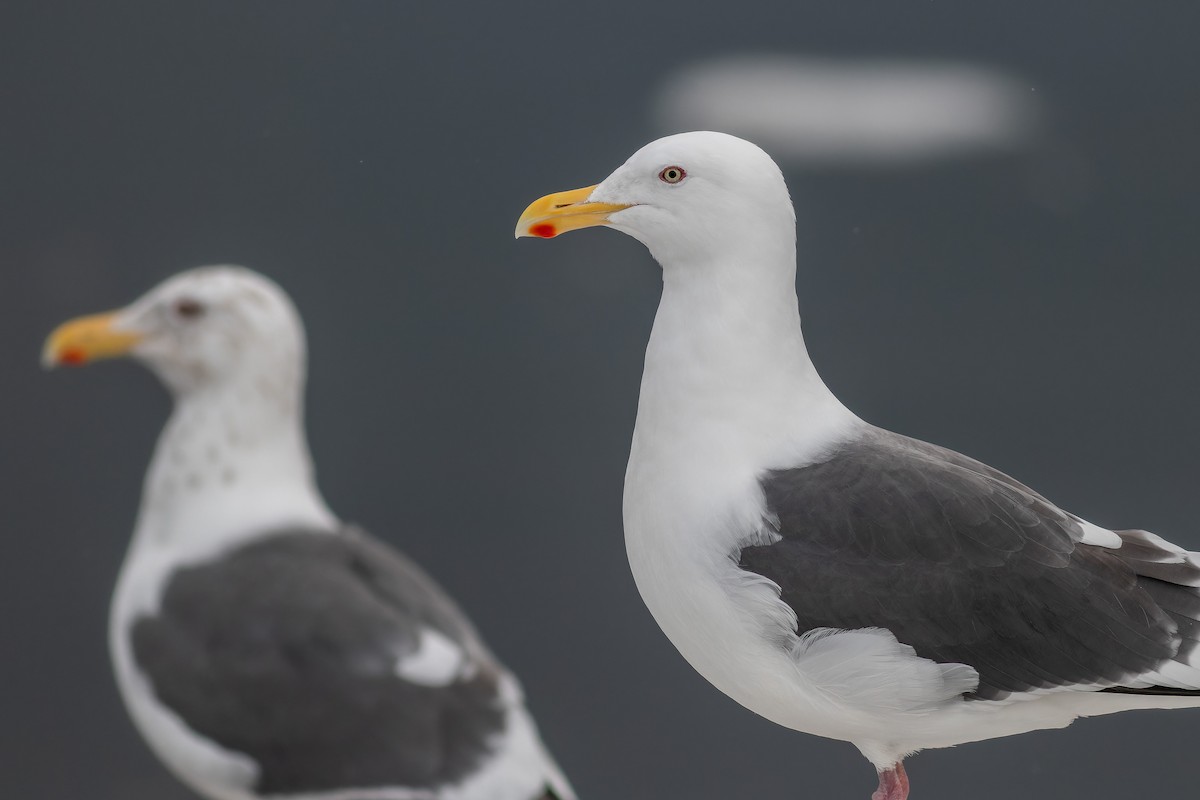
(230, 462)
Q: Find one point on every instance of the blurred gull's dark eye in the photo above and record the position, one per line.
(672, 175)
(187, 308)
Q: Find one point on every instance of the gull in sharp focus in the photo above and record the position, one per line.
(263, 647)
(829, 575)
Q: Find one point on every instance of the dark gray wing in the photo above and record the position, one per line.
(966, 565)
(286, 650)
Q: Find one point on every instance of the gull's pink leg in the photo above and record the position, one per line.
(893, 784)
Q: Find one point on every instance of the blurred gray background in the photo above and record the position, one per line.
(1029, 300)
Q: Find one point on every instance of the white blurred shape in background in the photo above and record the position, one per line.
(841, 112)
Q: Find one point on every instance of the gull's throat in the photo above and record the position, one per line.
(727, 371)
(227, 464)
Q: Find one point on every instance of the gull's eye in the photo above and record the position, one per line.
(672, 174)
(187, 308)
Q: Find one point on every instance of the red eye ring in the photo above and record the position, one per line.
(672, 174)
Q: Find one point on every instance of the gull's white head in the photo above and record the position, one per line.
(690, 198)
(205, 329)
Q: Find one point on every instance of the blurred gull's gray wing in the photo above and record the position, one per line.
(330, 660)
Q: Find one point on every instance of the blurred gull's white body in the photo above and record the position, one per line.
(262, 647)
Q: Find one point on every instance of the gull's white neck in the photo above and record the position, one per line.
(728, 392)
(231, 461)
(728, 380)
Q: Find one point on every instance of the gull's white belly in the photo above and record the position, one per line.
(729, 626)
(719, 631)
(728, 629)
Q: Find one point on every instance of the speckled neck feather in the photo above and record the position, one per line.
(232, 459)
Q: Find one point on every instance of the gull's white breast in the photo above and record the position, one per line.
(684, 525)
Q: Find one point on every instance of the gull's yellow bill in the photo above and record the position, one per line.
(87, 339)
(564, 211)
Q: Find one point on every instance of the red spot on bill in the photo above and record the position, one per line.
(545, 230)
(73, 356)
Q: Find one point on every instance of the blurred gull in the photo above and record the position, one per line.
(263, 647)
(826, 111)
